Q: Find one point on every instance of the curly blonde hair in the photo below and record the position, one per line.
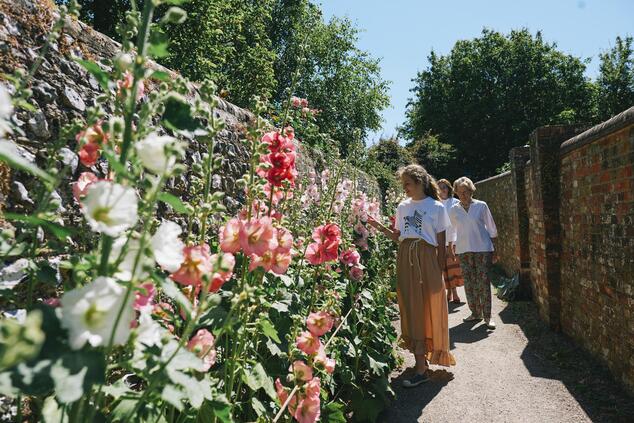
(419, 175)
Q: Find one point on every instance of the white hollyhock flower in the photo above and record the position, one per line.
(110, 208)
(6, 110)
(126, 265)
(167, 247)
(89, 313)
(153, 155)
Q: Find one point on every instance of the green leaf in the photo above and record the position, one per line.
(333, 413)
(158, 45)
(173, 201)
(258, 407)
(172, 291)
(161, 76)
(178, 114)
(20, 342)
(268, 329)
(95, 70)
(117, 389)
(51, 412)
(174, 396)
(217, 409)
(116, 165)
(9, 153)
(175, 2)
(257, 378)
(76, 372)
(46, 274)
(56, 229)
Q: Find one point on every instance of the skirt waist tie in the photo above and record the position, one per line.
(413, 248)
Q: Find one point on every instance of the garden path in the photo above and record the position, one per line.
(521, 372)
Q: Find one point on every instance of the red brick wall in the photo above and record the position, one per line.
(597, 263)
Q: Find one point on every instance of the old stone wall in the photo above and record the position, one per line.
(574, 194)
(63, 90)
(498, 192)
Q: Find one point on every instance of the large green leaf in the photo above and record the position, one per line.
(75, 373)
(217, 409)
(178, 114)
(268, 329)
(257, 378)
(173, 201)
(333, 413)
(56, 229)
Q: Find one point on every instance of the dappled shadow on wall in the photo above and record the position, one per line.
(554, 356)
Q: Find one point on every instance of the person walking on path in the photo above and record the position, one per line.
(421, 225)
(475, 234)
(452, 271)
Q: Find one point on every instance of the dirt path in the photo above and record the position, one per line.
(521, 372)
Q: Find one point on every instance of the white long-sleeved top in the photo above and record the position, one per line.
(451, 232)
(474, 229)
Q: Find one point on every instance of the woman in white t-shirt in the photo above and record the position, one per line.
(475, 230)
(421, 225)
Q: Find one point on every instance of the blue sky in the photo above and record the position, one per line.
(403, 32)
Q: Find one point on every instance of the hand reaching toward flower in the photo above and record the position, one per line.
(393, 234)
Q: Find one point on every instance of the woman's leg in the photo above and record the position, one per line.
(421, 363)
(470, 282)
(454, 292)
(450, 292)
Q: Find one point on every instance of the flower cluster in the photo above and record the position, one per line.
(203, 345)
(302, 104)
(305, 403)
(342, 192)
(361, 209)
(326, 246)
(91, 141)
(268, 247)
(279, 164)
(351, 260)
(201, 267)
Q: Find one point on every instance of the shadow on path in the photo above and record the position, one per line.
(552, 355)
(417, 399)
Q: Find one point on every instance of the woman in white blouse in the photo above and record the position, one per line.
(475, 232)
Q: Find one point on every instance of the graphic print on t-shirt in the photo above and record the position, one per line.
(414, 222)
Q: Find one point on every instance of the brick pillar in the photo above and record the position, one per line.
(545, 159)
(518, 157)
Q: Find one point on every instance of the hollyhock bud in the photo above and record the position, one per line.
(350, 257)
(307, 342)
(202, 344)
(356, 273)
(319, 323)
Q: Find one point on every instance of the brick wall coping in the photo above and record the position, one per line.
(614, 124)
(501, 175)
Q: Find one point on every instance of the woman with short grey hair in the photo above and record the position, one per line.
(476, 231)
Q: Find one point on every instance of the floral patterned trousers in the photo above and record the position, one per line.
(477, 283)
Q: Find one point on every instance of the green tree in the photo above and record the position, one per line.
(226, 41)
(336, 77)
(383, 159)
(616, 79)
(432, 154)
(489, 93)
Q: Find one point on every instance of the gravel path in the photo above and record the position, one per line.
(501, 377)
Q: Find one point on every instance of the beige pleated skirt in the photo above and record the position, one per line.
(423, 302)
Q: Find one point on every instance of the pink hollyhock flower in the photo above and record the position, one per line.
(329, 232)
(223, 265)
(197, 263)
(80, 187)
(361, 230)
(265, 261)
(350, 257)
(296, 101)
(356, 273)
(362, 243)
(284, 240)
(258, 236)
(301, 371)
(322, 360)
(89, 154)
(230, 236)
(308, 409)
(280, 262)
(319, 323)
(91, 140)
(304, 102)
(126, 84)
(202, 344)
(307, 342)
(278, 194)
(282, 396)
(143, 298)
(314, 254)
